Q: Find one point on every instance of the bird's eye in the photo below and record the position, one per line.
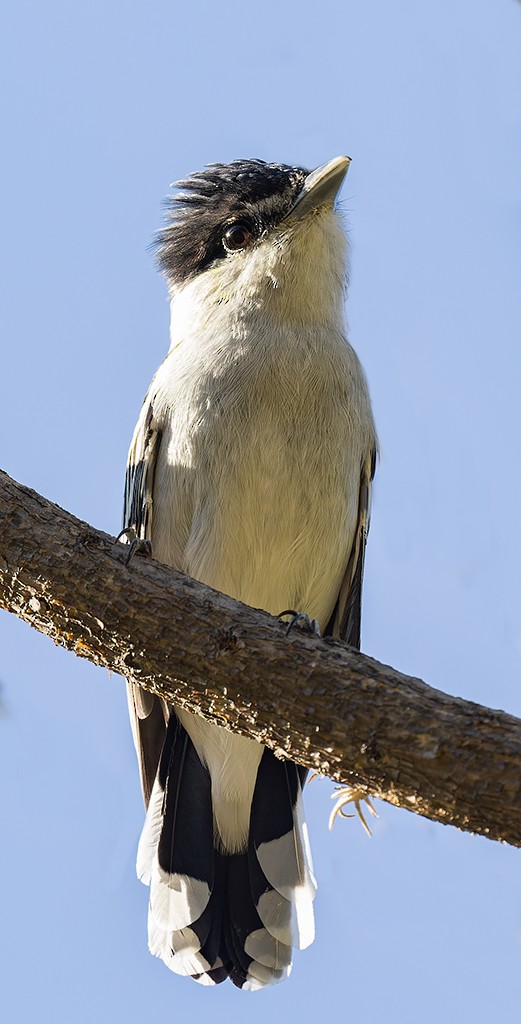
(237, 236)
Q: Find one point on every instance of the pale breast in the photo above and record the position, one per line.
(258, 478)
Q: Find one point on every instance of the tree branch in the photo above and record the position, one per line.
(316, 701)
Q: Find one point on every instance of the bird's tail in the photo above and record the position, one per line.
(213, 915)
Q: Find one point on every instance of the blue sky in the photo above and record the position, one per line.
(105, 104)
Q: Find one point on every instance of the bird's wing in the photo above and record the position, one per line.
(147, 715)
(346, 616)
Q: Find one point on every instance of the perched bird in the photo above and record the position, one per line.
(250, 469)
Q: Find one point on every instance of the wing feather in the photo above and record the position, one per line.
(346, 617)
(148, 714)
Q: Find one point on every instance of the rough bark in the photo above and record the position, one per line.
(317, 701)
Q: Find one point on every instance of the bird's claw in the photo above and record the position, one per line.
(136, 545)
(301, 619)
(347, 795)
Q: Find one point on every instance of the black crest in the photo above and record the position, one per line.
(253, 192)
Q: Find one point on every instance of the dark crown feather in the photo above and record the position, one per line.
(254, 191)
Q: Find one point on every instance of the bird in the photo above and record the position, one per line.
(250, 469)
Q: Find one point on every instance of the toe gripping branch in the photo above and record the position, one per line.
(136, 545)
(345, 795)
(300, 619)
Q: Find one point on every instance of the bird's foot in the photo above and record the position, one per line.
(348, 795)
(300, 619)
(136, 545)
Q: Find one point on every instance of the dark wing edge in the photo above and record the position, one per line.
(345, 621)
(139, 480)
(147, 713)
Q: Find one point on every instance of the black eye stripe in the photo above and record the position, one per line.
(248, 192)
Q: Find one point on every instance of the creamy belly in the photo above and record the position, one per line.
(258, 474)
(256, 494)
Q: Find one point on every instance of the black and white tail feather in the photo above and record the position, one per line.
(212, 914)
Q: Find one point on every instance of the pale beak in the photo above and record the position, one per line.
(321, 188)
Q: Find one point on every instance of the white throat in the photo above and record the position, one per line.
(296, 276)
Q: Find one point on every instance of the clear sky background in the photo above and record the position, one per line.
(105, 104)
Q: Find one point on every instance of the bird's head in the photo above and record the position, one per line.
(258, 237)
